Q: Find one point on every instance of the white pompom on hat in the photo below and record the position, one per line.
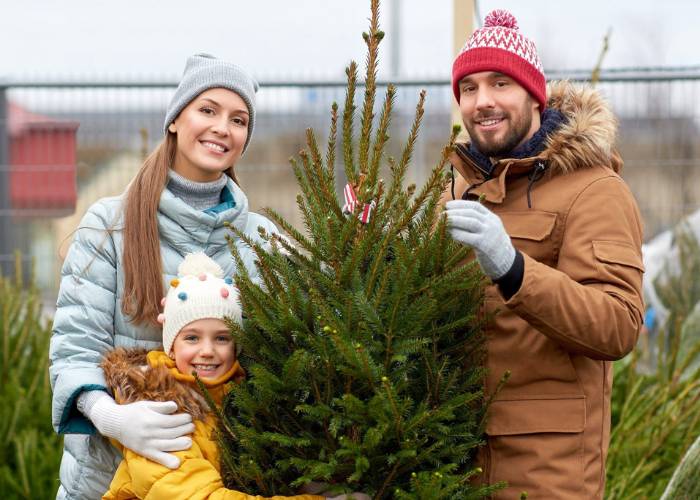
(199, 292)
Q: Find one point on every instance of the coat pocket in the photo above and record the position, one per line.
(534, 225)
(536, 445)
(619, 268)
(530, 232)
(618, 252)
(529, 416)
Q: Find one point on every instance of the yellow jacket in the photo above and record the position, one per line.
(135, 375)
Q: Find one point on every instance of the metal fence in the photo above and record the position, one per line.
(63, 145)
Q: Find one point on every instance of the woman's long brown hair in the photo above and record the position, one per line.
(143, 268)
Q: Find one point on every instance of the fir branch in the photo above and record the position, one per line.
(348, 116)
(326, 181)
(302, 178)
(265, 269)
(400, 168)
(372, 39)
(213, 406)
(315, 203)
(330, 152)
(380, 292)
(307, 204)
(282, 223)
(382, 135)
(434, 182)
(492, 397)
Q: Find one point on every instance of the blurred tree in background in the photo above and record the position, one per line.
(656, 404)
(30, 451)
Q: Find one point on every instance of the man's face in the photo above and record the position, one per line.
(499, 114)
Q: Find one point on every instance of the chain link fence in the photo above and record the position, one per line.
(63, 145)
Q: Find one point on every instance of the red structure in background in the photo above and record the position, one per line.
(42, 154)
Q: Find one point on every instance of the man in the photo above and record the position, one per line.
(558, 232)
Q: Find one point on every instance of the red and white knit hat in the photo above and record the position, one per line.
(499, 46)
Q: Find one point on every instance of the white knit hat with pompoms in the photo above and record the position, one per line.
(199, 292)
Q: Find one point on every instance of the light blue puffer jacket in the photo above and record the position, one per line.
(89, 320)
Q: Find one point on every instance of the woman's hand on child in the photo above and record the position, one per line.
(147, 427)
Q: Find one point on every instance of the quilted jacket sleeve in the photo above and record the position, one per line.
(83, 328)
(591, 303)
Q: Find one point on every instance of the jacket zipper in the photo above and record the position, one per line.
(534, 176)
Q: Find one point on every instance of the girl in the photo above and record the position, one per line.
(124, 252)
(195, 340)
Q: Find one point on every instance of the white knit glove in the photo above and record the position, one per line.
(472, 224)
(146, 427)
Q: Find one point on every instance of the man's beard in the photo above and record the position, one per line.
(512, 138)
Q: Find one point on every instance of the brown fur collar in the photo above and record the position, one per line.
(588, 136)
(130, 378)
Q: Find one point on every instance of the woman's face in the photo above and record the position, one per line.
(204, 346)
(211, 132)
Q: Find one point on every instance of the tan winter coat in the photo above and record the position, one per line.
(579, 307)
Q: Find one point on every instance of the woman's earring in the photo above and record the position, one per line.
(171, 355)
(171, 128)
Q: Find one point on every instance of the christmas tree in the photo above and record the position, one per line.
(30, 457)
(362, 341)
(656, 403)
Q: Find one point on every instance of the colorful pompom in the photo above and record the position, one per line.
(224, 292)
(228, 280)
(162, 302)
(174, 282)
(182, 296)
(161, 318)
(202, 277)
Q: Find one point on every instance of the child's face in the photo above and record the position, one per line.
(204, 346)
(211, 132)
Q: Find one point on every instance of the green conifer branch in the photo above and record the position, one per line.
(410, 141)
(348, 117)
(313, 171)
(504, 378)
(429, 215)
(306, 200)
(380, 291)
(382, 136)
(325, 174)
(315, 202)
(372, 40)
(332, 143)
(434, 182)
(311, 203)
(297, 235)
(302, 179)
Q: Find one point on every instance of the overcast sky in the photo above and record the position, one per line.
(299, 39)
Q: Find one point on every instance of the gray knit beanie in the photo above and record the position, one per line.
(204, 72)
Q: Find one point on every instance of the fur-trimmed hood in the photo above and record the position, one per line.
(138, 375)
(587, 138)
(589, 135)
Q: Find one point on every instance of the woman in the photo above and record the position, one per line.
(126, 250)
